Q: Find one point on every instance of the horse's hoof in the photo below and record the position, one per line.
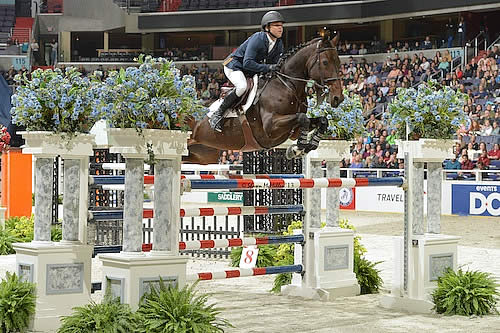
(293, 152)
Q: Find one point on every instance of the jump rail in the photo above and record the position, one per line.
(248, 184)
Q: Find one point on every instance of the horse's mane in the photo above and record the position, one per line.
(290, 52)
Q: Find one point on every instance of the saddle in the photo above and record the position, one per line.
(226, 89)
(239, 110)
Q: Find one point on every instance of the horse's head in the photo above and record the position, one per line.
(323, 67)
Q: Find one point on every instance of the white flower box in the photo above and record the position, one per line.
(165, 144)
(331, 150)
(49, 144)
(427, 150)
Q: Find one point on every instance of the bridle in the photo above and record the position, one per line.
(323, 84)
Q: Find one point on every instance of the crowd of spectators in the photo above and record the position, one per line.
(376, 84)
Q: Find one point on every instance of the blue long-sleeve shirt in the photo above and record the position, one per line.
(252, 56)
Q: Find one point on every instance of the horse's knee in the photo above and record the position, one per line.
(303, 121)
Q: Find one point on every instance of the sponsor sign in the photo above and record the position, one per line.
(481, 200)
(233, 197)
(347, 198)
(380, 199)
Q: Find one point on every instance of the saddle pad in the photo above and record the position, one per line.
(231, 113)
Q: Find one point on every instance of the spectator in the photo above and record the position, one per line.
(494, 154)
(461, 32)
(427, 45)
(450, 31)
(495, 129)
(452, 164)
(53, 52)
(486, 129)
(362, 49)
(466, 163)
(392, 163)
(357, 164)
(484, 160)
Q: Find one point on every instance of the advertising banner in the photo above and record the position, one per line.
(232, 197)
(476, 199)
(388, 199)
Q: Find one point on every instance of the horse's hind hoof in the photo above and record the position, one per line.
(293, 152)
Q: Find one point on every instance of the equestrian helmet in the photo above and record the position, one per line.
(271, 17)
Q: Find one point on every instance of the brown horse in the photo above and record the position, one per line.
(280, 112)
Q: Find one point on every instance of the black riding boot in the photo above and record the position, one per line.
(216, 121)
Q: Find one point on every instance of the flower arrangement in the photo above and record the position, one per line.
(4, 139)
(152, 96)
(345, 122)
(431, 111)
(56, 101)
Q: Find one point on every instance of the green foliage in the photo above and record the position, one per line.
(169, 309)
(367, 275)
(284, 256)
(264, 259)
(108, 317)
(17, 304)
(22, 227)
(6, 240)
(56, 233)
(466, 293)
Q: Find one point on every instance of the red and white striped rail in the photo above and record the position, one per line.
(248, 184)
(148, 213)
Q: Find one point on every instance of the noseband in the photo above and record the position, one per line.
(323, 84)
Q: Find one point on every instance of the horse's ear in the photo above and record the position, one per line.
(336, 39)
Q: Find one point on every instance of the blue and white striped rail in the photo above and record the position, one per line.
(248, 184)
(241, 272)
(117, 214)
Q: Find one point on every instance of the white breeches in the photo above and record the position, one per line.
(238, 79)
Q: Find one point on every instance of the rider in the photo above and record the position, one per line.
(258, 54)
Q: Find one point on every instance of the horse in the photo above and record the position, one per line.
(280, 112)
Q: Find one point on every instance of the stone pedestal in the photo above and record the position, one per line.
(62, 276)
(329, 255)
(61, 271)
(430, 256)
(129, 277)
(128, 274)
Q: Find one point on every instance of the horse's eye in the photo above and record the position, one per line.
(325, 62)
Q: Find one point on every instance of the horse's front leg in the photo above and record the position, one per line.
(302, 146)
(320, 126)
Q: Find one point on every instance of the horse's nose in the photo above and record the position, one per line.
(336, 101)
